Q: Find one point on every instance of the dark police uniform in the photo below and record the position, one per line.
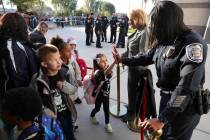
(92, 26)
(113, 26)
(98, 30)
(122, 33)
(105, 24)
(181, 72)
(88, 29)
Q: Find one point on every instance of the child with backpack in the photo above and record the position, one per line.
(82, 64)
(74, 78)
(54, 89)
(102, 75)
(20, 107)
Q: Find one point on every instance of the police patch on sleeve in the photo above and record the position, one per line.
(195, 52)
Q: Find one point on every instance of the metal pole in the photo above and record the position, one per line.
(118, 88)
(118, 110)
(207, 26)
(3, 6)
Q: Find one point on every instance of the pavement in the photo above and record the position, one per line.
(88, 131)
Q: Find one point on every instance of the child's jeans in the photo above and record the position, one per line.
(66, 124)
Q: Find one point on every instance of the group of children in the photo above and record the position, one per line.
(57, 83)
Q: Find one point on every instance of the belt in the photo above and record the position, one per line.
(166, 91)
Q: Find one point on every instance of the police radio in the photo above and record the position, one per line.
(203, 101)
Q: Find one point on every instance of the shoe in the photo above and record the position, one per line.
(94, 120)
(108, 128)
(99, 47)
(77, 101)
(88, 44)
(110, 42)
(92, 42)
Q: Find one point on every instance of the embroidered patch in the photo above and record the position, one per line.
(178, 101)
(195, 52)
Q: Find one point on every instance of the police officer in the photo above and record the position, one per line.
(88, 29)
(105, 24)
(92, 26)
(113, 27)
(98, 31)
(179, 55)
(122, 33)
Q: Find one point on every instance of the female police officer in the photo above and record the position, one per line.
(179, 55)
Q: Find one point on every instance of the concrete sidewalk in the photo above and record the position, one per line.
(88, 131)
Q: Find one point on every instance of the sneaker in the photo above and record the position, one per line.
(108, 128)
(77, 101)
(94, 120)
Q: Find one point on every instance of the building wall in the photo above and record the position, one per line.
(196, 14)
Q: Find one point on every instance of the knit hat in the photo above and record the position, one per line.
(71, 40)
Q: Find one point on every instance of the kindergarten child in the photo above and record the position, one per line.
(103, 73)
(20, 107)
(66, 53)
(54, 88)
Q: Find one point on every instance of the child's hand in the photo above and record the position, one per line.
(79, 82)
(59, 85)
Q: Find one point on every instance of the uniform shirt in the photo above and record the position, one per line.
(113, 23)
(180, 69)
(98, 25)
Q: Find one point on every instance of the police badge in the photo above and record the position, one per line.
(194, 52)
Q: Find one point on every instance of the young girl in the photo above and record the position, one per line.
(103, 73)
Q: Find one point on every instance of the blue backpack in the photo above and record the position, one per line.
(52, 125)
(37, 132)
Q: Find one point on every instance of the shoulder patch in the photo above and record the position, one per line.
(194, 52)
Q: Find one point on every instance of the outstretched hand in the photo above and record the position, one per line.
(153, 124)
(116, 55)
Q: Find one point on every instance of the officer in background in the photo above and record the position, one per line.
(105, 24)
(92, 26)
(122, 33)
(98, 31)
(179, 55)
(113, 27)
(88, 29)
(127, 24)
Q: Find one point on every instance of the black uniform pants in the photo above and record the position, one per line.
(104, 35)
(98, 38)
(87, 37)
(121, 40)
(91, 36)
(101, 100)
(113, 34)
(183, 125)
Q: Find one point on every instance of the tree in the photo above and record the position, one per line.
(108, 8)
(90, 5)
(66, 7)
(24, 5)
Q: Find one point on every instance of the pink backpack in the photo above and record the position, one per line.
(89, 87)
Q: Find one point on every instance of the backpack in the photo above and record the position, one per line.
(89, 88)
(37, 132)
(52, 125)
(82, 66)
(18, 63)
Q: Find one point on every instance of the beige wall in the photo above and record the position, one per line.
(196, 13)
